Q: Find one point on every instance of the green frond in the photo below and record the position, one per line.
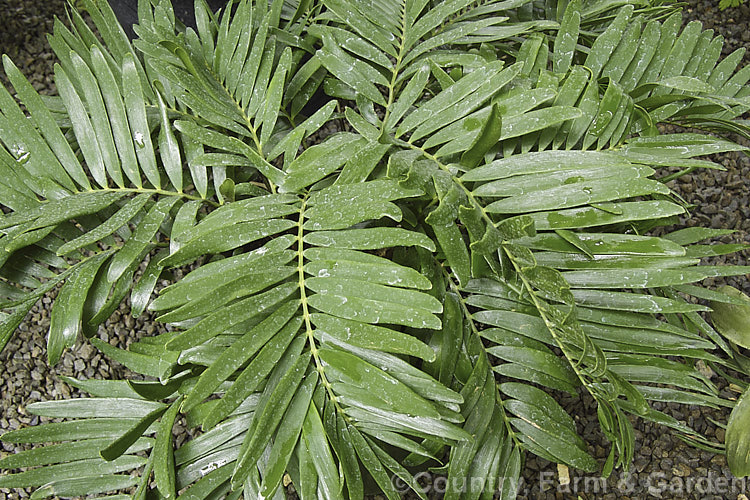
(410, 289)
(93, 186)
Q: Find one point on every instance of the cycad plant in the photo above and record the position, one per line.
(409, 227)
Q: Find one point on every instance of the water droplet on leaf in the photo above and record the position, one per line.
(24, 158)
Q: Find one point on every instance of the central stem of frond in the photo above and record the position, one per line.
(306, 312)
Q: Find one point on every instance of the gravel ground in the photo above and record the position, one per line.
(664, 466)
